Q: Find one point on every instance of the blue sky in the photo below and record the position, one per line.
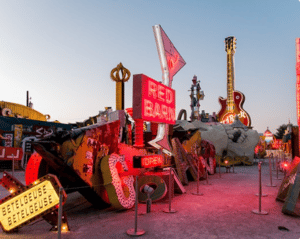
(62, 52)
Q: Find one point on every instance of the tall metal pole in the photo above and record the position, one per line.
(13, 164)
(27, 98)
(59, 213)
(220, 167)
(298, 83)
(170, 210)
(270, 169)
(277, 168)
(135, 231)
(198, 177)
(136, 205)
(259, 211)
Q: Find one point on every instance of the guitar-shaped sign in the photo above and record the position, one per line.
(233, 105)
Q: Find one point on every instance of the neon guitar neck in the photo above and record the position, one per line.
(233, 104)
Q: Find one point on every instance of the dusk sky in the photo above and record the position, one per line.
(62, 52)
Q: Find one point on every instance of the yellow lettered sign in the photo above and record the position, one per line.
(27, 205)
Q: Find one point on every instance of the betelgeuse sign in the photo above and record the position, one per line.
(153, 101)
(30, 203)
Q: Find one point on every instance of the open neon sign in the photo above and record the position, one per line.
(148, 161)
(153, 101)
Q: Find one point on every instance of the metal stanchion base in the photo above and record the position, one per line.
(259, 212)
(198, 194)
(271, 185)
(263, 195)
(167, 210)
(138, 232)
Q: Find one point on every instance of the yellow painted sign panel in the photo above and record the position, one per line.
(18, 110)
(27, 205)
(18, 134)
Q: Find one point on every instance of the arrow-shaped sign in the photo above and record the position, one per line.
(171, 62)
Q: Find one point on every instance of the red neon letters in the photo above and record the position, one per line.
(153, 101)
(152, 161)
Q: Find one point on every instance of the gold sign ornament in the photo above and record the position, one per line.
(30, 202)
(115, 76)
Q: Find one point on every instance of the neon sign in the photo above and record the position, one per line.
(298, 80)
(298, 56)
(170, 59)
(35, 199)
(8, 153)
(152, 161)
(153, 101)
(118, 198)
(229, 117)
(147, 161)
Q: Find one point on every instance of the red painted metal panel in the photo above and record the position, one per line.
(8, 153)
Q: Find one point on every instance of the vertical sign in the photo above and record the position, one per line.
(8, 140)
(298, 81)
(170, 59)
(171, 62)
(18, 135)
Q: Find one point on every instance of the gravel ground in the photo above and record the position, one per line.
(224, 211)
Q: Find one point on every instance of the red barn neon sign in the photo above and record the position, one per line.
(153, 101)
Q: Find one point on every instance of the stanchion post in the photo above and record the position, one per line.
(198, 176)
(220, 167)
(59, 213)
(270, 169)
(13, 164)
(259, 188)
(206, 176)
(170, 210)
(135, 231)
(277, 168)
(206, 171)
(259, 211)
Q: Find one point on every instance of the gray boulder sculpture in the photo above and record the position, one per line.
(235, 139)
